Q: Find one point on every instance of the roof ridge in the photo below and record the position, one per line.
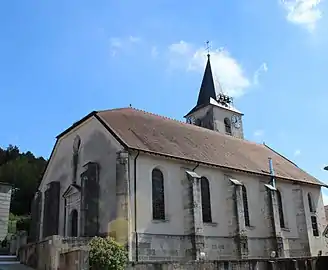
(114, 109)
(158, 115)
(184, 123)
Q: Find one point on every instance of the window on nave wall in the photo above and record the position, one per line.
(158, 195)
(245, 204)
(206, 200)
(280, 209)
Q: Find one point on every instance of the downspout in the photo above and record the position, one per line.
(273, 182)
(135, 204)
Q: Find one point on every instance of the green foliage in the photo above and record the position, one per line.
(18, 223)
(106, 254)
(23, 171)
(23, 224)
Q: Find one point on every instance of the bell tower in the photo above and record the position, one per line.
(215, 112)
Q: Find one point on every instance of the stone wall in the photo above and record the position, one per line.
(158, 247)
(17, 240)
(74, 259)
(57, 253)
(314, 263)
(54, 252)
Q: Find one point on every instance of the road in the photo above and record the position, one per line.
(13, 266)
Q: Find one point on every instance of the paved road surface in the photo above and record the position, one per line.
(13, 266)
(9, 262)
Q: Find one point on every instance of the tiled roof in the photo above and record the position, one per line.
(152, 133)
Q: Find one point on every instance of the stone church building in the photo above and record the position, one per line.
(170, 190)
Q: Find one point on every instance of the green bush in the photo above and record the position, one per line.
(106, 254)
(23, 224)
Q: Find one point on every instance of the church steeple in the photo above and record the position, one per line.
(215, 112)
(207, 88)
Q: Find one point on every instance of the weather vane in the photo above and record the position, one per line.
(208, 47)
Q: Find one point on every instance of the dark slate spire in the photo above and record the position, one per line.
(207, 88)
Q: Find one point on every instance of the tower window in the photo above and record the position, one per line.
(310, 201)
(245, 204)
(206, 200)
(158, 195)
(227, 125)
(281, 210)
(315, 229)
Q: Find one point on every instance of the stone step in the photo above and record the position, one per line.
(8, 258)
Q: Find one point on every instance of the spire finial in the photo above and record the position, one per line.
(208, 48)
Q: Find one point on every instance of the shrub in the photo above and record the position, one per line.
(23, 224)
(106, 254)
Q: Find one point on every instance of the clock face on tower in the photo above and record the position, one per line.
(191, 120)
(235, 120)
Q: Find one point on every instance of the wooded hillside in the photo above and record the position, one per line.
(24, 172)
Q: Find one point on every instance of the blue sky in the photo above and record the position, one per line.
(61, 59)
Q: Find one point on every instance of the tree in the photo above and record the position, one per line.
(23, 171)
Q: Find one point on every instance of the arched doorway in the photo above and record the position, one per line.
(74, 220)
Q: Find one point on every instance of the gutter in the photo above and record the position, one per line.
(135, 204)
(266, 174)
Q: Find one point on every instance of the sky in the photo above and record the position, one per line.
(61, 59)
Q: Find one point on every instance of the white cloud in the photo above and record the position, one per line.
(297, 152)
(118, 44)
(134, 39)
(258, 133)
(115, 42)
(227, 71)
(181, 48)
(154, 52)
(262, 69)
(303, 12)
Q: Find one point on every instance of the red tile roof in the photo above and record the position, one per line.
(156, 134)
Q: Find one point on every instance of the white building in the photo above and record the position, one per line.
(179, 190)
(5, 199)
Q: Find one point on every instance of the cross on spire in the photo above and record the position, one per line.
(208, 47)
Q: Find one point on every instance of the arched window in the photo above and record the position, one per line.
(227, 125)
(281, 210)
(315, 229)
(310, 201)
(245, 203)
(206, 200)
(158, 195)
(74, 222)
